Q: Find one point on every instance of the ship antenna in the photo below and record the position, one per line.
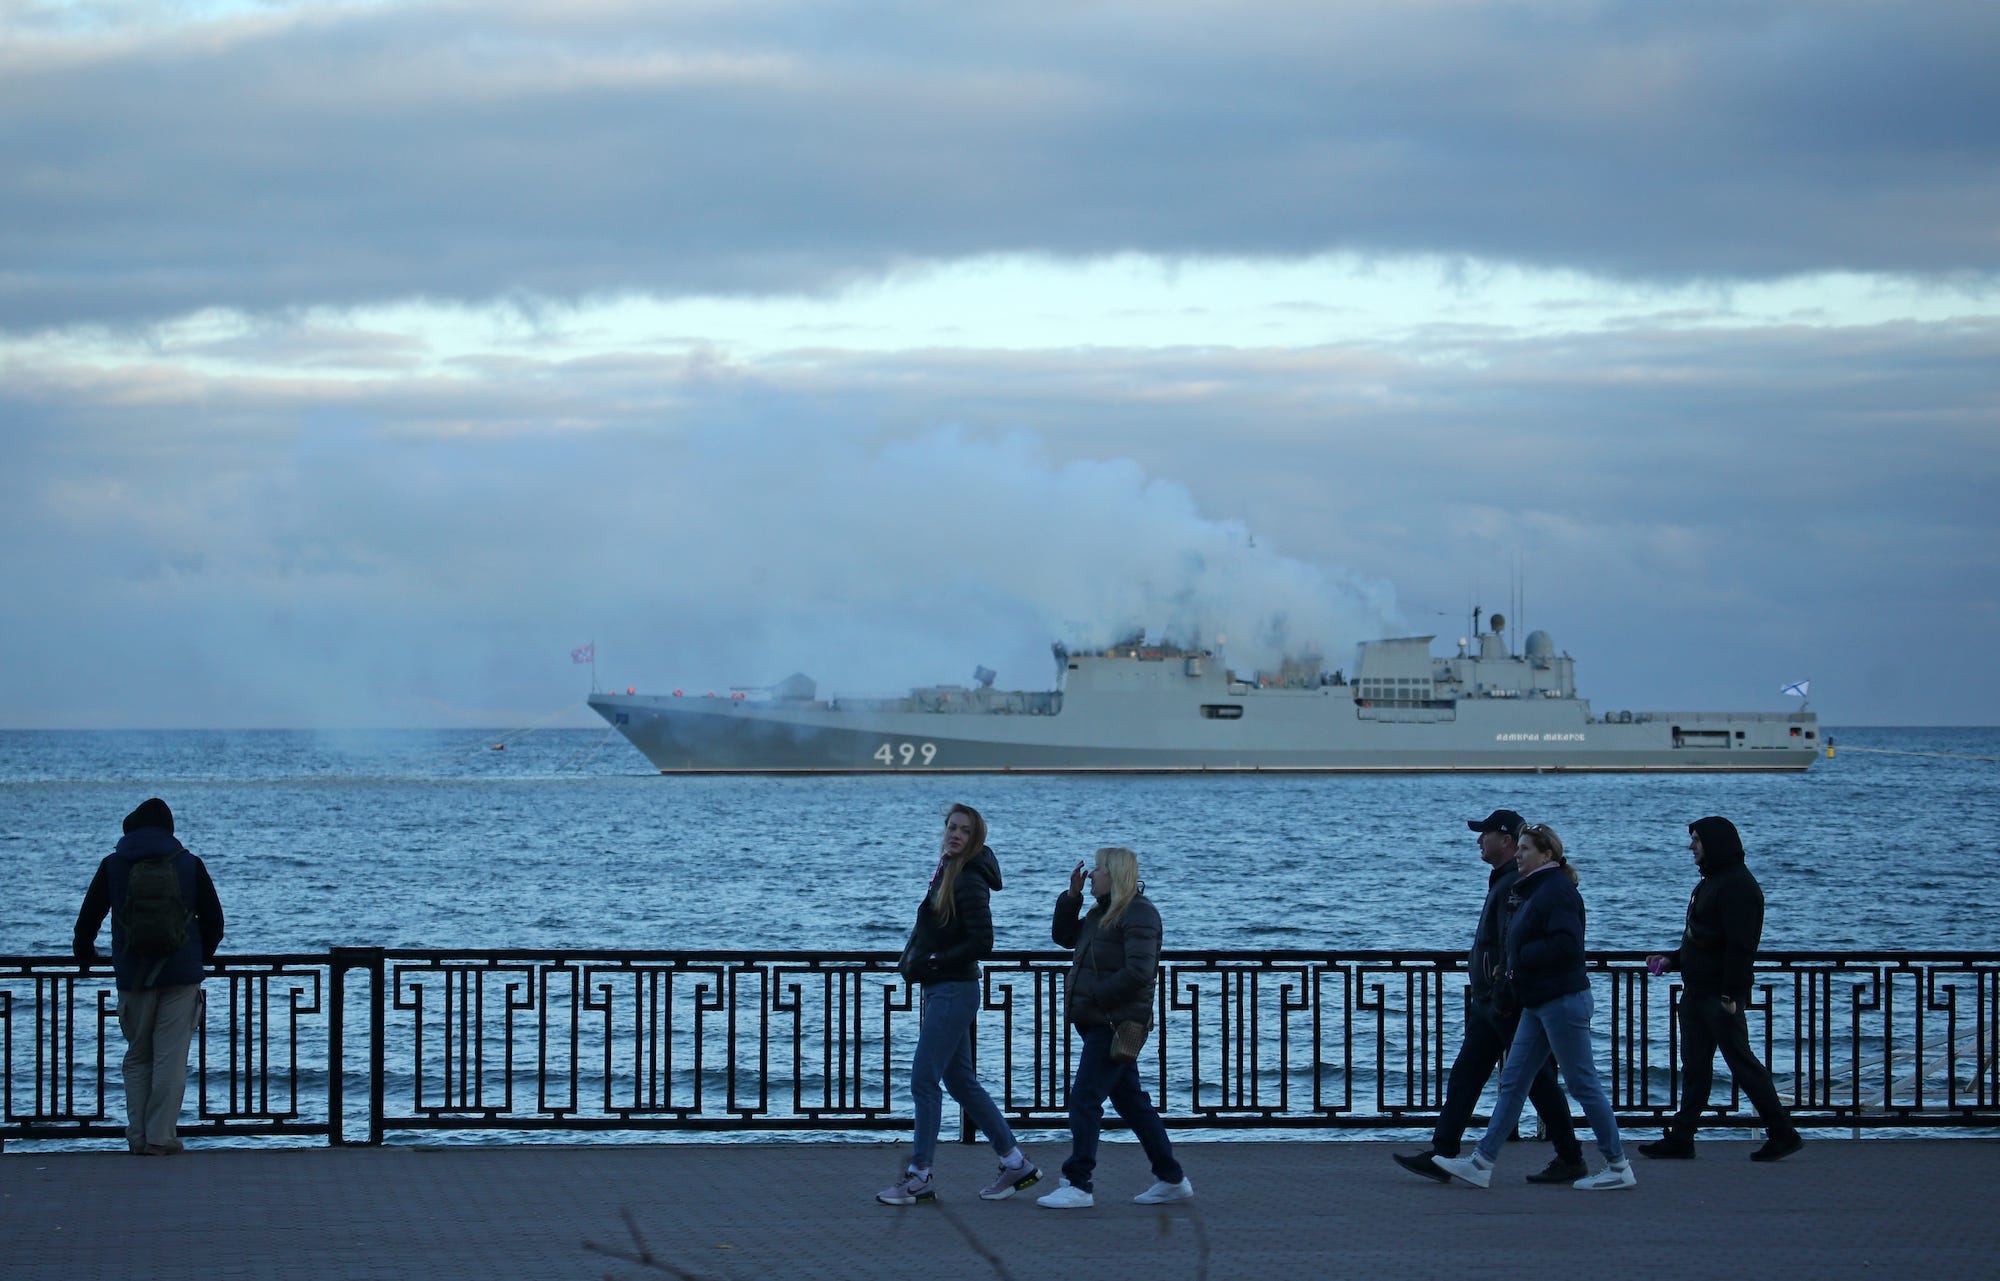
(1520, 597)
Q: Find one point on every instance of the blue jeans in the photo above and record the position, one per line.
(1487, 1036)
(1098, 1079)
(944, 1054)
(1562, 1027)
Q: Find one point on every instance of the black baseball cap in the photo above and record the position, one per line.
(1506, 821)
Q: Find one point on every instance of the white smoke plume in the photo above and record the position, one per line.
(878, 568)
(360, 573)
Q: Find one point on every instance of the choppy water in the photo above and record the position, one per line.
(567, 839)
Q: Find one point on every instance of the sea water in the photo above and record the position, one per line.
(569, 839)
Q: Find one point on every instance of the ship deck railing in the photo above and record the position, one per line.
(1718, 718)
(363, 1045)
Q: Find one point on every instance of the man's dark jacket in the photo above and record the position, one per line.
(107, 893)
(942, 951)
(1725, 918)
(1488, 958)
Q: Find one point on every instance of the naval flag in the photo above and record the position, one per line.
(1797, 689)
(583, 654)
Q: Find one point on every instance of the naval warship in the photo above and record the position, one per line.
(1154, 708)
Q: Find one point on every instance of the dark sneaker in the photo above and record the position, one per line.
(1560, 1171)
(1421, 1164)
(1669, 1147)
(1780, 1145)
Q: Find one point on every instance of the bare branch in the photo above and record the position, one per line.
(643, 1256)
(979, 1247)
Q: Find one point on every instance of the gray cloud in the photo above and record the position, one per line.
(1700, 516)
(505, 152)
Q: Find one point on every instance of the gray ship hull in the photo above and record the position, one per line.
(1121, 714)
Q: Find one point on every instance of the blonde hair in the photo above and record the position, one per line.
(942, 905)
(1545, 839)
(1120, 867)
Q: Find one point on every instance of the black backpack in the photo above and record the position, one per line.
(154, 916)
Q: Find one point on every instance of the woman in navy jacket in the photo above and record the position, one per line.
(1545, 971)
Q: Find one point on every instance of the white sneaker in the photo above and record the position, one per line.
(1161, 1193)
(1616, 1175)
(1467, 1169)
(1067, 1196)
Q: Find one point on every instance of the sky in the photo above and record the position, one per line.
(360, 361)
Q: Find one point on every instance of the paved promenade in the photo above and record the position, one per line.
(1888, 1209)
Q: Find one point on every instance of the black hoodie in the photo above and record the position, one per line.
(950, 951)
(1725, 918)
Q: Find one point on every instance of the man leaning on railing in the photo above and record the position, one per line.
(165, 922)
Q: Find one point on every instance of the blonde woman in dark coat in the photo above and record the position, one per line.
(1111, 981)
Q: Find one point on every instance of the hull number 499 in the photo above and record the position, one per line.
(906, 753)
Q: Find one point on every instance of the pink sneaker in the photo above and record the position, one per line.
(1011, 1181)
(914, 1186)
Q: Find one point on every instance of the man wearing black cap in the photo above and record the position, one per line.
(1489, 1028)
(1725, 922)
(165, 922)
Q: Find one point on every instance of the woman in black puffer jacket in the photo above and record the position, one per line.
(952, 935)
(1111, 982)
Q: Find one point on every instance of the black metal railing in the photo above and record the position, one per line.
(360, 1043)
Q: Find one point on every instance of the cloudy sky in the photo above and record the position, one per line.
(359, 360)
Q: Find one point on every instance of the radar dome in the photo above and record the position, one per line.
(1540, 646)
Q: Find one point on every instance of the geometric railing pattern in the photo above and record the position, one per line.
(361, 1044)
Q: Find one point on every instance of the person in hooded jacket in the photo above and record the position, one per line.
(952, 935)
(158, 994)
(1725, 922)
(1111, 982)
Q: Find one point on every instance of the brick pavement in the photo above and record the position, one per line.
(729, 1212)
